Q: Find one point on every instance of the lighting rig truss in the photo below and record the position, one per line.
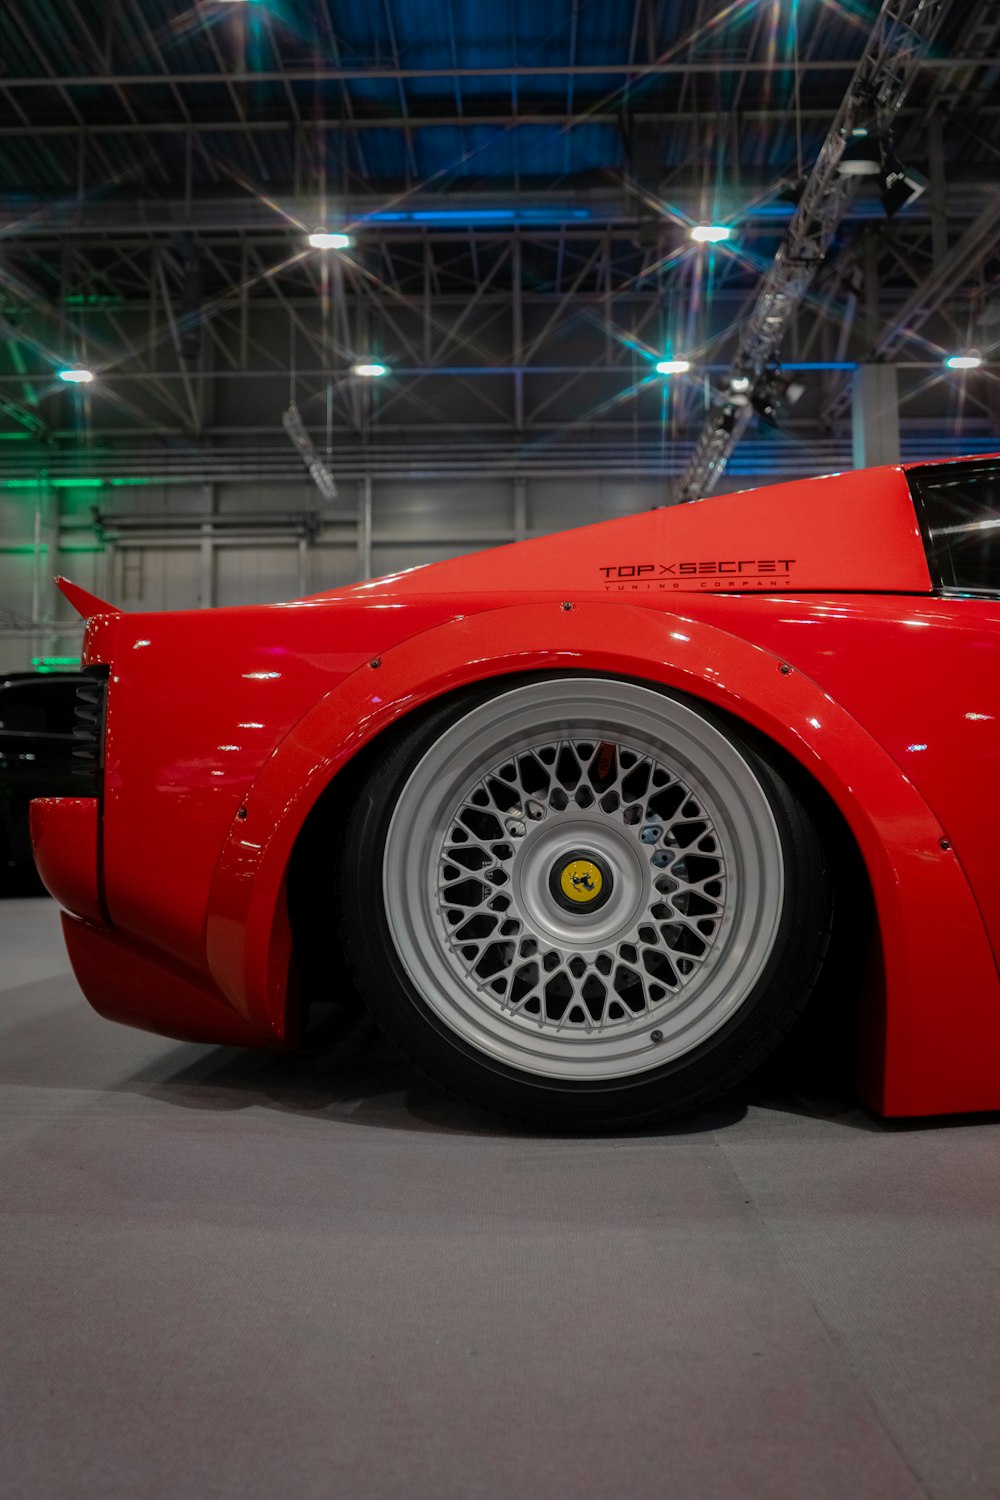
(900, 37)
(318, 471)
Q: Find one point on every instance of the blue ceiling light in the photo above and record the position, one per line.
(473, 215)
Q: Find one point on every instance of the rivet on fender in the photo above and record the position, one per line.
(945, 844)
(784, 669)
(566, 605)
(376, 661)
(241, 812)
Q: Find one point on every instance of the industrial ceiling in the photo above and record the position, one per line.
(518, 185)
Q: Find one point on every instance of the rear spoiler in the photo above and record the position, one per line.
(85, 603)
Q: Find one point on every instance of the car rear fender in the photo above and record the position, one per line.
(932, 939)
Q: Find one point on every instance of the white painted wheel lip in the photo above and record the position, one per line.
(681, 739)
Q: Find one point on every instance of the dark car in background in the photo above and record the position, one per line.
(37, 717)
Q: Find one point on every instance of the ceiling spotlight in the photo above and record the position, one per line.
(862, 155)
(673, 366)
(370, 371)
(766, 406)
(964, 361)
(323, 239)
(76, 376)
(901, 185)
(774, 390)
(710, 234)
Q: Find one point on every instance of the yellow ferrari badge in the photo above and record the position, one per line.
(581, 880)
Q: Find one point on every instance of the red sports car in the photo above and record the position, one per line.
(580, 812)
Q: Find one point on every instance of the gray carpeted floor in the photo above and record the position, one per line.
(231, 1275)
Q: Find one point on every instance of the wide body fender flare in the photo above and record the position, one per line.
(931, 1032)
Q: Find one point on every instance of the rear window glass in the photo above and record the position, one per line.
(959, 507)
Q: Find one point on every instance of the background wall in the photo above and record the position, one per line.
(182, 553)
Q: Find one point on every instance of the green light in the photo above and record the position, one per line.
(85, 483)
(45, 664)
(93, 299)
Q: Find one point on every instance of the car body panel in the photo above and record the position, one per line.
(224, 728)
(141, 986)
(923, 677)
(852, 532)
(919, 887)
(65, 835)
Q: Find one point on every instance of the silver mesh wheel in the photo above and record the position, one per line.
(583, 878)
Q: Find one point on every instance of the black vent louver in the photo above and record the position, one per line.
(88, 731)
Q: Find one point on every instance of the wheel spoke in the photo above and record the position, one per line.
(671, 932)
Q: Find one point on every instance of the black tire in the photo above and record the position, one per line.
(412, 1016)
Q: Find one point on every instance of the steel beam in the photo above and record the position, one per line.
(968, 253)
(583, 213)
(674, 68)
(698, 118)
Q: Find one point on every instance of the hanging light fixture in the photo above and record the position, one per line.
(901, 185)
(327, 239)
(862, 156)
(710, 234)
(773, 391)
(870, 154)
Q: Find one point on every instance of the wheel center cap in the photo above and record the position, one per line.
(581, 882)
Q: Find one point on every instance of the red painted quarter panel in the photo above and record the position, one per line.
(923, 677)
